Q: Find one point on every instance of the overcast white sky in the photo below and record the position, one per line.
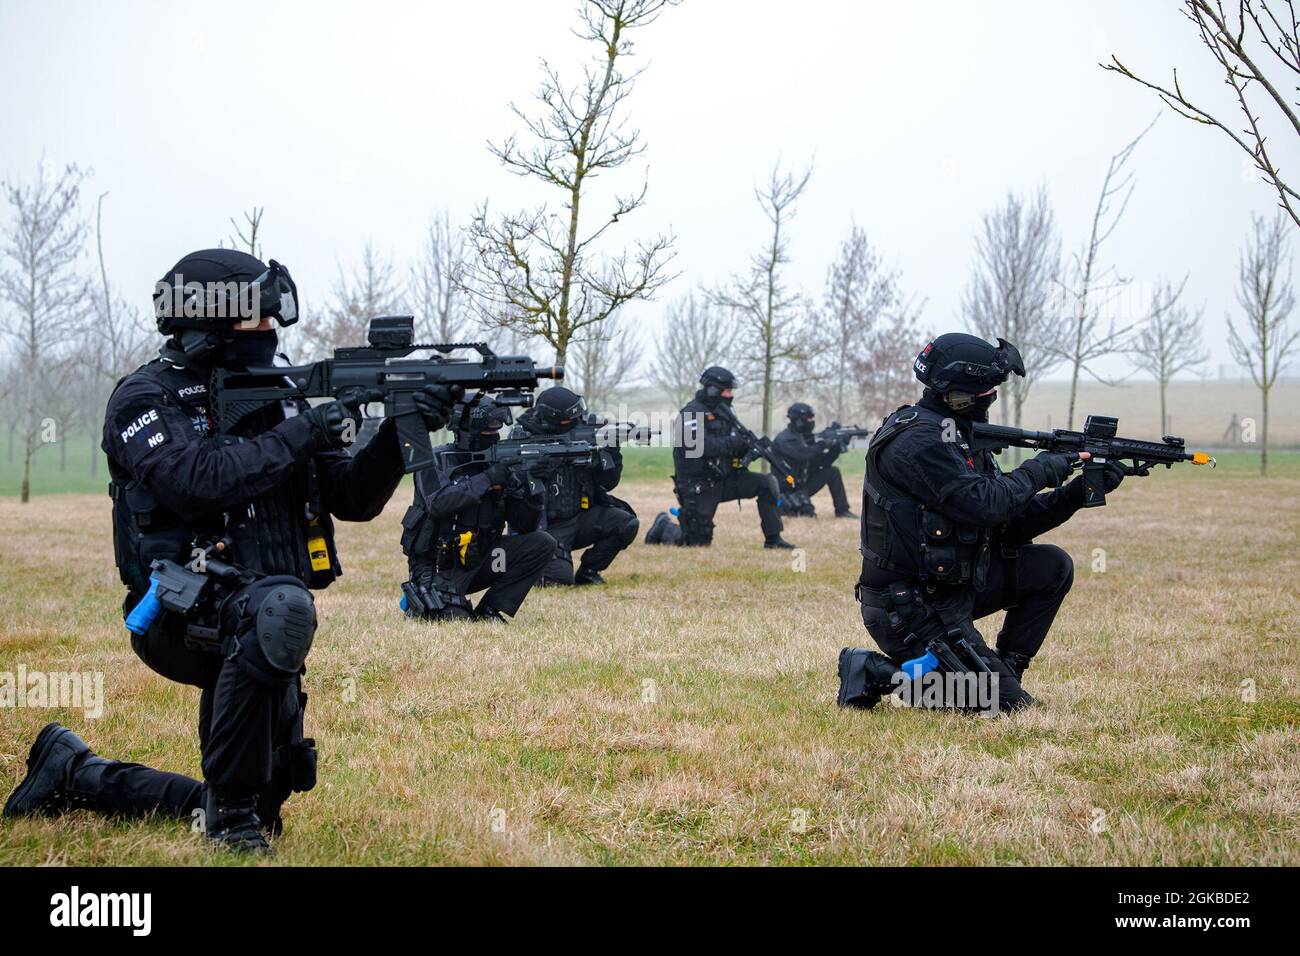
(354, 121)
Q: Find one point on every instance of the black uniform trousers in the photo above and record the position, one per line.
(828, 477)
(508, 572)
(699, 507)
(1030, 587)
(246, 730)
(603, 530)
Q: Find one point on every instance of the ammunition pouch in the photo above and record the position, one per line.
(144, 531)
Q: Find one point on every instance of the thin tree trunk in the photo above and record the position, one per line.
(1263, 434)
(26, 494)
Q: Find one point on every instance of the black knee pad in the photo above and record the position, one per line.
(631, 529)
(770, 487)
(276, 625)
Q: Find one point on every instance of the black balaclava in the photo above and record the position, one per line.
(469, 421)
(802, 418)
(962, 404)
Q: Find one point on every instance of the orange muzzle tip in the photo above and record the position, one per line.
(1201, 458)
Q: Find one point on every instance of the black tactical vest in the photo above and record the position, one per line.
(273, 533)
(460, 541)
(901, 535)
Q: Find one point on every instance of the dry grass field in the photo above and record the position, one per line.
(685, 713)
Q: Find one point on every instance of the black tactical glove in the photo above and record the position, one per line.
(1054, 467)
(498, 474)
(737, 446)
(336, 424)
(434, 403)
(1114, 474)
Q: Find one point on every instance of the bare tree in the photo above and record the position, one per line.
(696, 335)
(860, 290)
(1091, 287)
(40, 283)
(436, 284)
(1012, 293)
(769, 312)
(539, 271)
(882, 371)
(1168, 342)
(246, 236)
(1266, 295)
(372, 289)
(1260, 35)
(604, 362)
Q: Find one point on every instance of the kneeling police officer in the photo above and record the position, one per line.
(266, 491)
(580, 511)
(454, 536)
(708, 469)
(813, 459)
(947, 537)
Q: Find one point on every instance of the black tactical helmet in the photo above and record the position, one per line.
(957, 362)
(478, 414)
(716, 379)
(558, 409)
(216, 289)
(801, 417)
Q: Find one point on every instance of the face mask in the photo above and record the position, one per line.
(480, 442)
(974, 407)
(979, 409)
(250, 349)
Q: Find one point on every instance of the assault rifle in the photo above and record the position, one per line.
(606, 434)
(384, 366)
(842, 434)
(1098, 439)
(533, 450)
(759, 448)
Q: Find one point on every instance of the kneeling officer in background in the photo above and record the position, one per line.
(709, 467)
(261, 496)
(454, 536)
(947, 537)
(813, 460)
(580, 511)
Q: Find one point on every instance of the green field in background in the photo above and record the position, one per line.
(639, 464)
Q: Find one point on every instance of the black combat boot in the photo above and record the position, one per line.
(62, 773)
(1016, 662)
(587, 577)
(846, 513)
(865, 676)
(231, 821)
(486, 612)
(776, 541)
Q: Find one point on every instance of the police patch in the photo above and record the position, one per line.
(147, 430)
